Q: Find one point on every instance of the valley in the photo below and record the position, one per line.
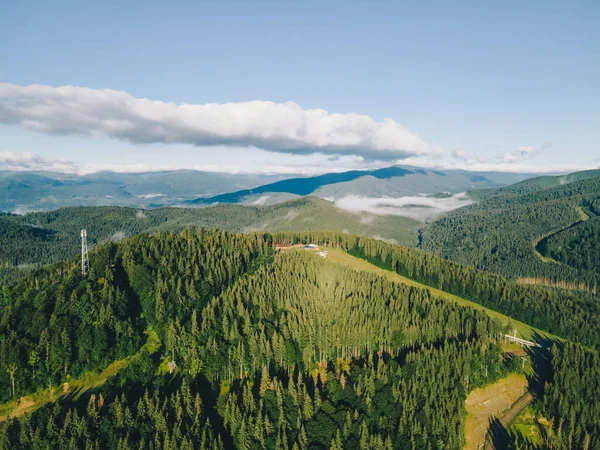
(43, 191)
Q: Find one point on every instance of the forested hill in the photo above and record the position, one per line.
(43, 237)
(272, 349)
(533, 185)
(519, 231)
(501, 233)
(297, 353)
(577, 246)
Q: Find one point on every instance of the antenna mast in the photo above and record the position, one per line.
(85, 261)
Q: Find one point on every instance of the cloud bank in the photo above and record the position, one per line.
(276, 127)
(414, 207)
(518, 155)
(26, 161)
(525, 151)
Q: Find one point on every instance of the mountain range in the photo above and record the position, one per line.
(41, 191)
(34, 191)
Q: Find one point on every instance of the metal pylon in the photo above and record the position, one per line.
(85, 261)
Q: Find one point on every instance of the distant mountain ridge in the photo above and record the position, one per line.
(305, 186)
(41, 191)
(26, 191)
(537, 184)
(389, 181)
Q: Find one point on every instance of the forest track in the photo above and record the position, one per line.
(571, 286)
(494, 400)
(516, 408)
(77, 387)
(29, 403)
(509, 416)
(546, 259)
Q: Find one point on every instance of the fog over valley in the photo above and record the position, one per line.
(421, 208)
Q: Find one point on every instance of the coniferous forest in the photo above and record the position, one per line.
(225, 342)
(299, 225)
(500, 232)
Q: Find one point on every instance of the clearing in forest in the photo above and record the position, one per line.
(503, 399)
(30, 403)
(76, 387)
(339, 256)
(532, 426)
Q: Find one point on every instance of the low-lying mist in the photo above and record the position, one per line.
(415, 207)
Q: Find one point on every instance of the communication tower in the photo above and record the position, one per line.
(85, 261)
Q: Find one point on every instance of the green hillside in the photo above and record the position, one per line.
(38, 238)
(500, 233)
(577, 246)
(264, 347)
(258, 348)
(533, 185)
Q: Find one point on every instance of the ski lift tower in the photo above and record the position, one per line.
(85, 261)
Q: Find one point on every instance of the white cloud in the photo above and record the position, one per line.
(519, 154)
(151, 195)
(118, 236)
(524, 152)
(496, 166)
(277, 127)
(516, 161)
(20, 161)
(415, 207)
(22, 210)
(26, 161)
(461, 155)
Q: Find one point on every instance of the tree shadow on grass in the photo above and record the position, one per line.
(497, 435)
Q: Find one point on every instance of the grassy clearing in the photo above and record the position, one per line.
(152, 343)
(77, 387)
(30, 403)
(532, 427)
(491, 401)
(582, 213)
(523, 330)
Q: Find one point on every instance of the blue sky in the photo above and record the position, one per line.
(478, 85)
